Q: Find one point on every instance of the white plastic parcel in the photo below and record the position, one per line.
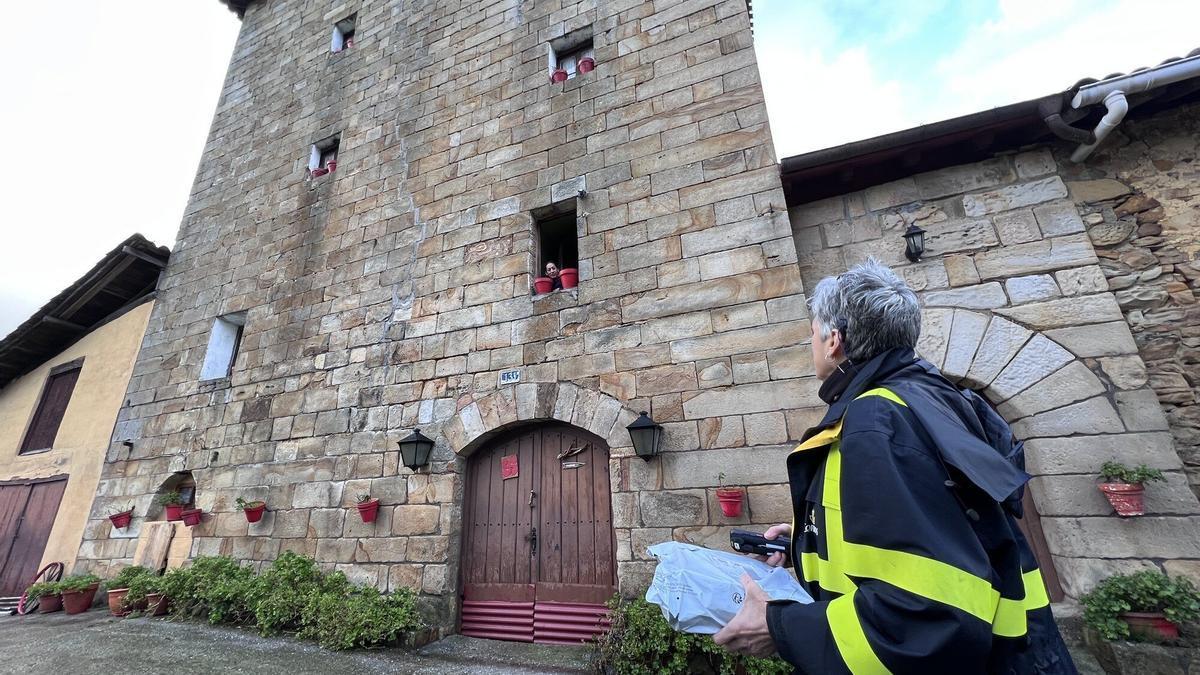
(700, 590)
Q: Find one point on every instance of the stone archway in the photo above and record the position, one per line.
(590, 410)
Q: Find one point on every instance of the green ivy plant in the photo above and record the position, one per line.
(1146, 591)
(141, 586)
(639, 642)
(42, 589)
(252, 504)
(1115, 472)
(171, 498)
(127, 575)
(77, 582)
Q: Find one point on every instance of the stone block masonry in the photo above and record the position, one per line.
(1031, 283)
(391, 293)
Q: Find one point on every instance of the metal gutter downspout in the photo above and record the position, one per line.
(1112, 93)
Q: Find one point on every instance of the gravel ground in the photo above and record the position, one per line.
(96, 643)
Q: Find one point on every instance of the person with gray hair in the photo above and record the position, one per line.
(905, 501)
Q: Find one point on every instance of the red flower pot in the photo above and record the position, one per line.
(543, 285)
(569, 277)
(331, 165)
(191, 517)
(121, 520)
(587, 64)
(559, 75)
(174, 511)
(731, 501)
(368, 510)
(317, 173)
(1151, 626)
(49, 603)
(75, 602)
(254, 511)
(1127, 498)
(156, 604)
(116, 601)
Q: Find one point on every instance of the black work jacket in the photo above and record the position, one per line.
(905, 499)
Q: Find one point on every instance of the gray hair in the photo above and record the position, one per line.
(873, 308)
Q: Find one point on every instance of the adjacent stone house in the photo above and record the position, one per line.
(383, 182)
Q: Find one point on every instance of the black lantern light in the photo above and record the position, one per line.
(646, 434)
(414, 450)
(914, 243)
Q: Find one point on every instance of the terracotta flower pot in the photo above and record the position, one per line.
(543, 285)
(174, 511)
(49, 603)
(156, 604)
(191, 517)
(587, 64)
(731, 501)
(559, 75)
(75, 602)
(254, 511)
(1151, 626)
(368, 510)
(1127, 498)
(121, 520)
(116, 601)
(569, 277)
(317, 173)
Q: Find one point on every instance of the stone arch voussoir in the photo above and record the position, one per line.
(515, 405)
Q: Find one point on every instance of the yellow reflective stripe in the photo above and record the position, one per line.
(831, 489)
(822, 438)
(885, 393)
(851, 641)
(1011, 614)
(825, 574)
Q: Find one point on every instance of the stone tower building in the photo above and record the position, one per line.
(381, 184)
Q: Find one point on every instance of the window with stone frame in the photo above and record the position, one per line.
(343, 34)
(556, 237)
(322, 156)
(223, 344)
(567, 51)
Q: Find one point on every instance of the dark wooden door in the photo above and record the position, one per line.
(27, 513)
(538, 560)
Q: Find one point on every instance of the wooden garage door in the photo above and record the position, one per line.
(27, 512)
(538, 561)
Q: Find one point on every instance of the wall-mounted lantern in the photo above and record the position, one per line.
(414, 450)
(646, 435)
(914, 243)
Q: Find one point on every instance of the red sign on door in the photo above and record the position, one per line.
(508, 467)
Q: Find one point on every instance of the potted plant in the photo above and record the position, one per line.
(192, 517)
(542, 285)
(144, 594)
(559, 75)
(173, 503)
(587, 64)
(253, 509)
(730, 498)
(78, 592)
(49, 595)
(1125, 487)
(569, 277)
(1144, 605)
(119, 588)
(121, 519)
(368, 508)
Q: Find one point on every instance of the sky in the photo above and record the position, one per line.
(115, 101)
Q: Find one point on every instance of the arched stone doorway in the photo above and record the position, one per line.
(538, 558)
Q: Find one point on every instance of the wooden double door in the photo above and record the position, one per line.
(27, 512)
(538, 561)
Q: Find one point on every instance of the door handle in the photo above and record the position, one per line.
(532, 496)
(533, 542)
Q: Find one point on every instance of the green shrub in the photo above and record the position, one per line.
(77, 582)
(282, 591)
(43, 588)
(141, 586)
(214, 587)
(127, 575)
(358, 617)
(1115, 472)
(1146, 591)
(640, 642)
(172, 498)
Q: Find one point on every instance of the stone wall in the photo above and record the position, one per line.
(1017, 306)
(391, 293)
(1139, 196)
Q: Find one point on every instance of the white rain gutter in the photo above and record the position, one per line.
(1112, 93)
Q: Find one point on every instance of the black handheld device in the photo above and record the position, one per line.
(745, 541)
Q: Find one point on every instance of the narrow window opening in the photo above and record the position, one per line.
(556, 234)
(572, 55)
(322, 158)
(223, 344)
(343, 34)
(43, 428)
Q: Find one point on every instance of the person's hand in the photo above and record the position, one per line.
(775, 559)
(747, 633)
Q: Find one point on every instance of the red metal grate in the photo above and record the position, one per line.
(498, 620)
(568, 623)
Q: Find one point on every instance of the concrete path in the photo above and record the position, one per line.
(96, 643)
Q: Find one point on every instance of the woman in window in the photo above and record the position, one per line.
(552, 272)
